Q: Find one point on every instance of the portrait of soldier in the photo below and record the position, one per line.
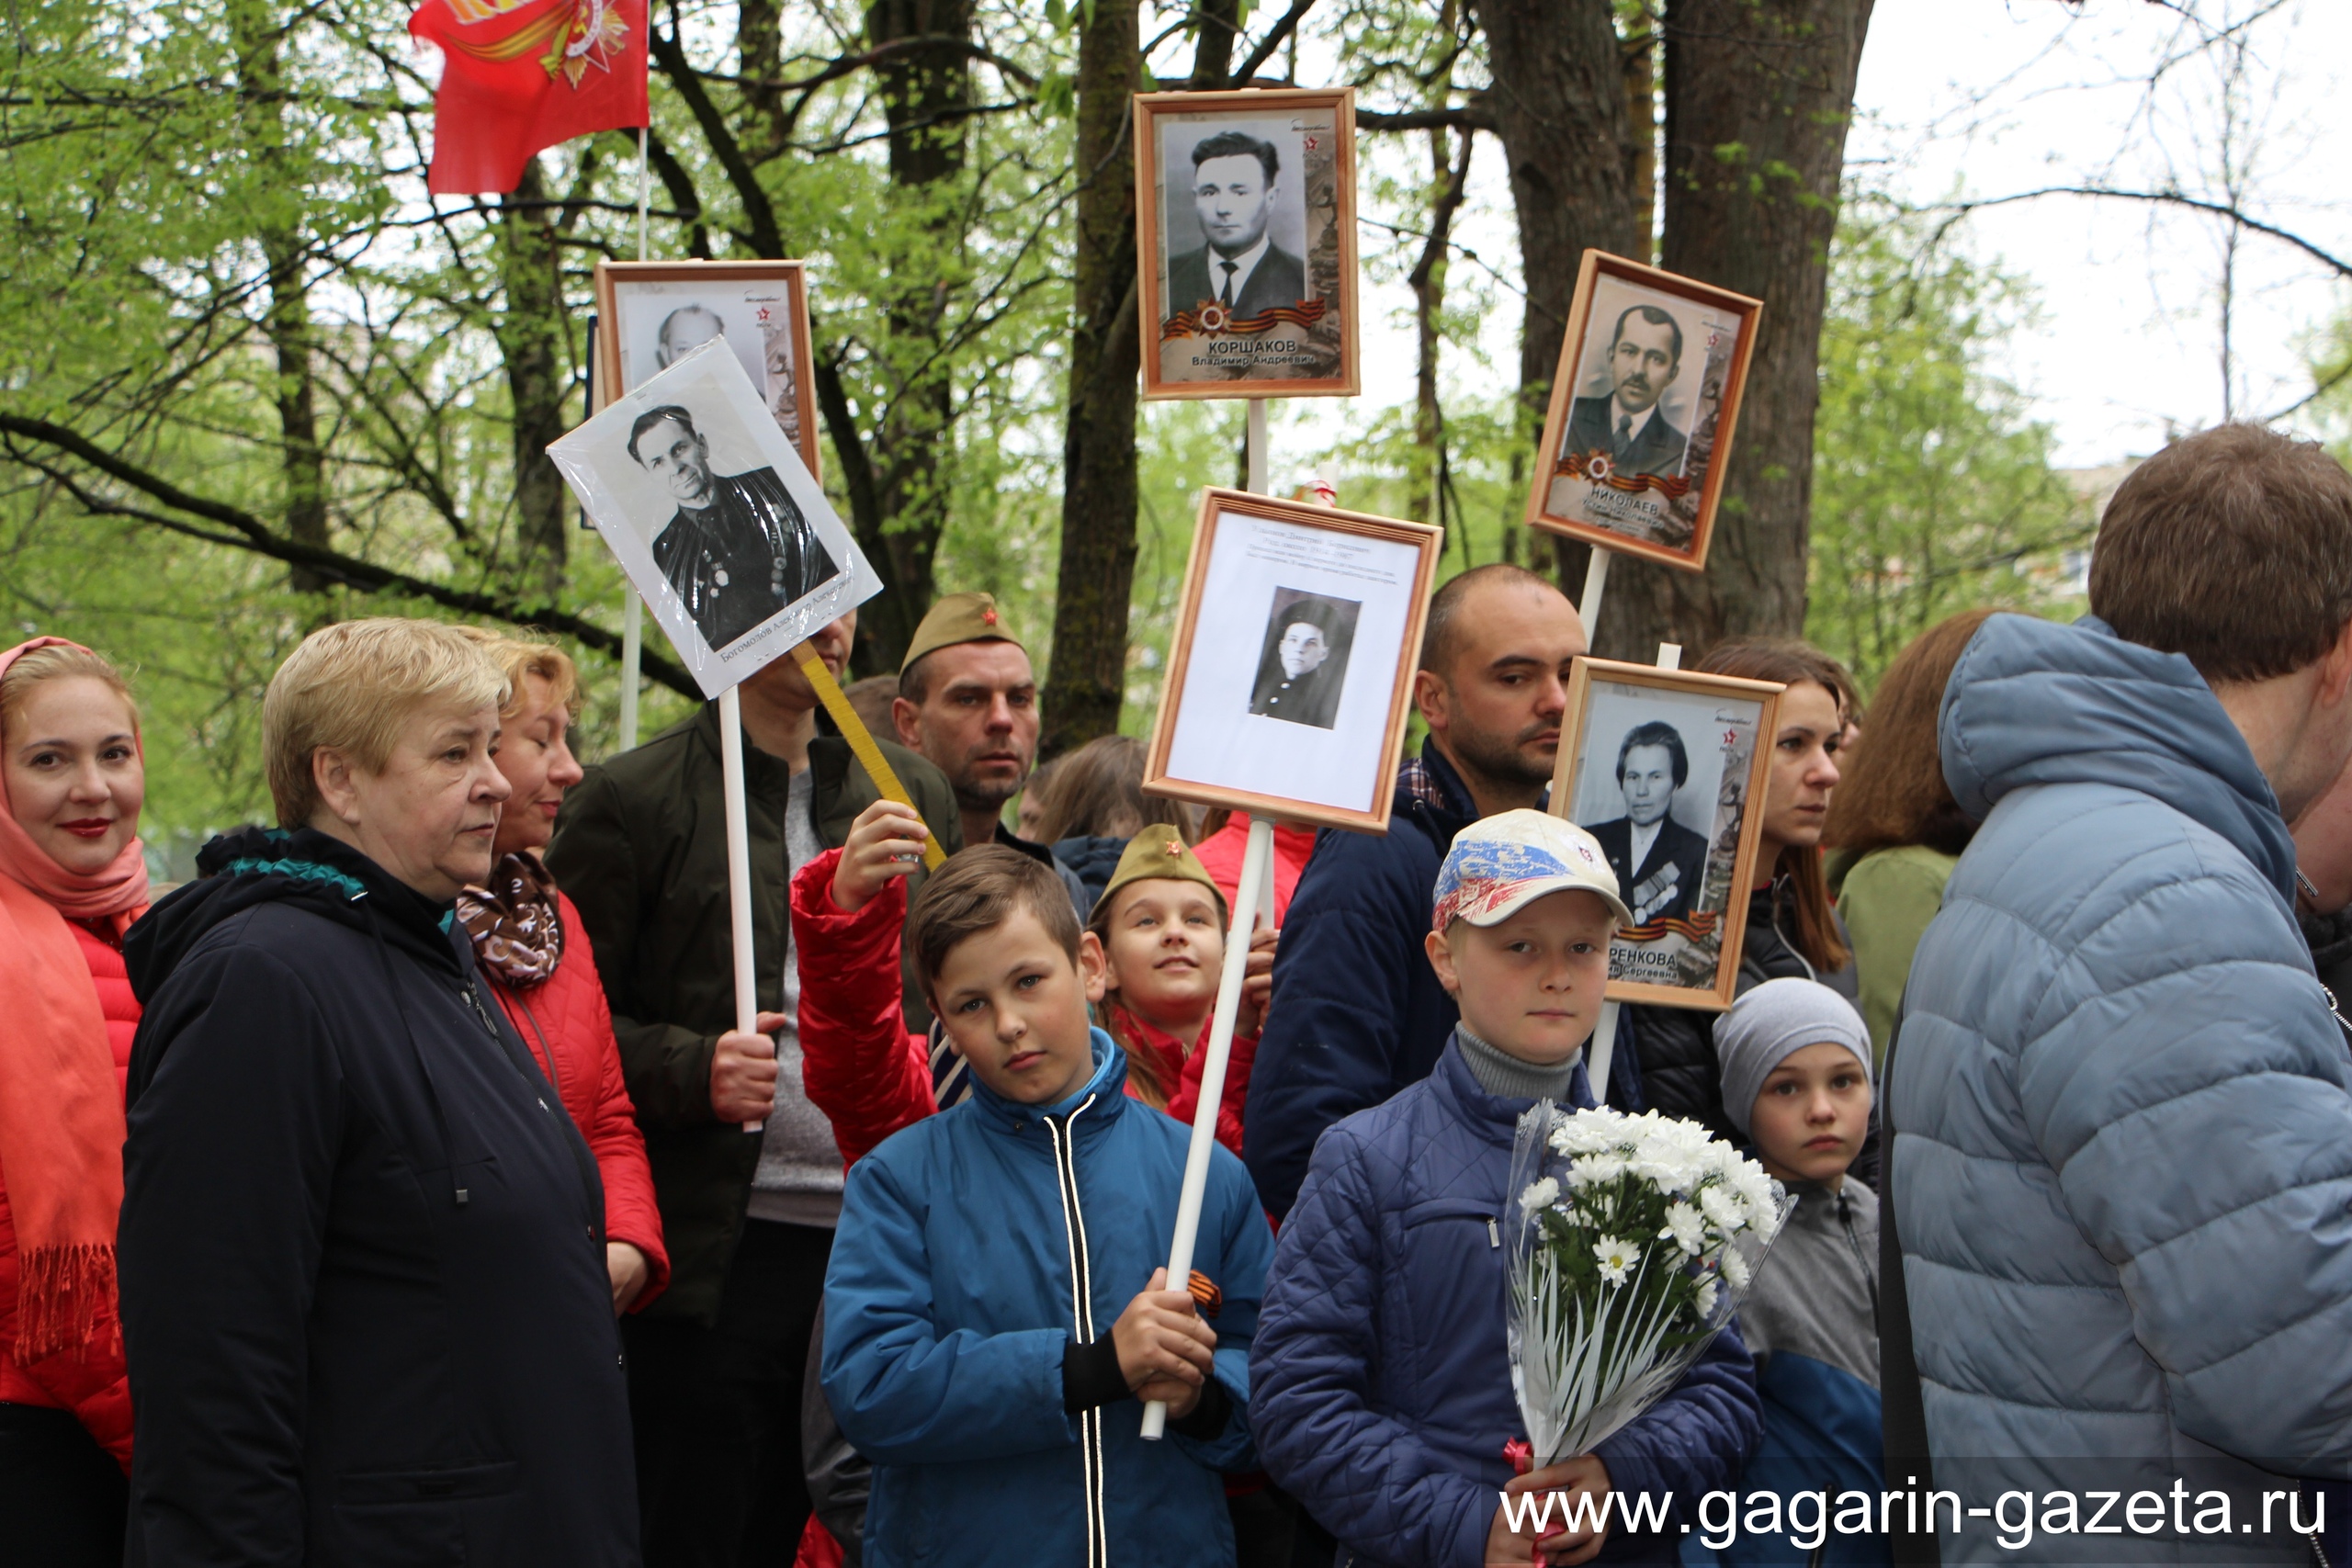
(1644, 356)
(737, 549)
(1298, 677)
(1235, 182)
(1660, 864)
(687, 327)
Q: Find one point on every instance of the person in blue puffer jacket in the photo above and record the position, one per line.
(2122, 1166)
(994, 1309)
(1382, 1395)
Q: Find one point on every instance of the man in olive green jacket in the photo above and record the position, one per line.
(640, 847)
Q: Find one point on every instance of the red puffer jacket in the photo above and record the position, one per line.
(565, 1022)
(91, 1383)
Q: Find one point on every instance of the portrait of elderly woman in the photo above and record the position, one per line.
(1306, 661)
(737, 549)
(366, 1299)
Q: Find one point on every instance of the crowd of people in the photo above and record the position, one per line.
(400, 1191)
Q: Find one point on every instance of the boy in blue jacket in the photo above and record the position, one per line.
(1382, 1381)
(994, 1309)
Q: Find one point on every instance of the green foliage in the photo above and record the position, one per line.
(1933, 488)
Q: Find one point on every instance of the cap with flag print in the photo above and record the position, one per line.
(1499, 864)
(520, 76)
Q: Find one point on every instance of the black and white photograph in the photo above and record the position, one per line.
(713, 516)
(1298, 632)
(1642, 412)
(1309, 638)
(1245, 216)
(658, 313)
(1660, 766)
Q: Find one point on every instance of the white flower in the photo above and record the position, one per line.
(1540, 1194)
(1736, 1269)
(1706, 1301)
(1721, 1206)
(1684, 1226)
(1617, 1258)
(1588, 1170)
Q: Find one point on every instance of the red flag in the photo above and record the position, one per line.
(524, 74)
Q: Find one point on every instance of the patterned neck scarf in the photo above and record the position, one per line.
(517, 935)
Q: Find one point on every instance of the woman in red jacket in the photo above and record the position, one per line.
(529, 943)
(73, 877)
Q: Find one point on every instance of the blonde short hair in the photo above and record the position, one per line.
(56, 662)
(351, 686)
(520, 657)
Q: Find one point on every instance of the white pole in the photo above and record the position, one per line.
(1257, 870)
(1257, 446)
(1596, 579)
(1604, 1031)
(739, 865)
(633, 617)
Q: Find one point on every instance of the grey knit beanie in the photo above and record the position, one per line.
(1773, 1022)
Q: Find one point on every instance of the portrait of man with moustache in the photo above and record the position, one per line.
(737, 549)
(1237, 182)
(1644, 357)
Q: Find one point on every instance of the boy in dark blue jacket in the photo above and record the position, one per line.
(1382, 1387)
(994, 1309)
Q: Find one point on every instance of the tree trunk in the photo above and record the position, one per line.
(1559, 106)
(925, 95)
(1759, 94)
(1096, 574)
(255, 34)
(530, 338)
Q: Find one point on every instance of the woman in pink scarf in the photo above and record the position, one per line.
(72, 879)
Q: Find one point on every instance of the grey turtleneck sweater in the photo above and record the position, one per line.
(1508, 1077)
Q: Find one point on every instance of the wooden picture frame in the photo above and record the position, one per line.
(1290, 669)
(1650, 486)
(762, 306)
(1628, 732)
(1290, 330)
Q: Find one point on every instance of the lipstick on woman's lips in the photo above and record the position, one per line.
(87, 827)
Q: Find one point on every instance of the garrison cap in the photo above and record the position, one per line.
(958, 617)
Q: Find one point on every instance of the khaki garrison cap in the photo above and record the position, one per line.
(958, 617)
(1160, 852)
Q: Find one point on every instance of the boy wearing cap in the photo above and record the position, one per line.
(1381, 1380)
(1796, 1075)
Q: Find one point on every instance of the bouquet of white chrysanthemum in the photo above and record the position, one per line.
(1632, 1241)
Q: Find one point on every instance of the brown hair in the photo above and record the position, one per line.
(1143, 1061)
(1097, 790)
(977, 890)
(1893, 792)
(1792, 663)
(2233, 548)
(60, 661)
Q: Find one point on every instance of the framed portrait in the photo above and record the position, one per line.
(651, 314)
(1643, 406)
(1296, 638)
(1246, 242)
(714, 517)
(1662, 766)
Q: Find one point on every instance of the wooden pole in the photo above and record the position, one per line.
(738, 865)
(1603, 1050)
(1257, 873)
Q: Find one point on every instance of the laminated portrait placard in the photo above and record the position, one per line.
(714, 518)
(1245, 244)
(1664, 767)
(1297, 638)
(651, 314)
(1643, 405)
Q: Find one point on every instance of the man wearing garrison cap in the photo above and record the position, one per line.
(968, 701)
(1299, 674)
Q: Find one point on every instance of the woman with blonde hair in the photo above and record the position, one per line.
(73, 877)
(366, 1290)
(534, 954)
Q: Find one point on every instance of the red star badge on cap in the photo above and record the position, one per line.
(987, 617)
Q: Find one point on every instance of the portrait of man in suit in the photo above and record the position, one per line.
(1644, 356)
(737, 549)
(1237, 180)
(1301, 671)
(1660, 864)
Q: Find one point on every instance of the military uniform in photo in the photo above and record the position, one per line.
(1672, 869)
(742, 558)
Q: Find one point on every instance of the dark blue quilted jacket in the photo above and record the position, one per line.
(1380, 1382)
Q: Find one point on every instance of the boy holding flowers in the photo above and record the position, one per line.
(1382, 1379)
